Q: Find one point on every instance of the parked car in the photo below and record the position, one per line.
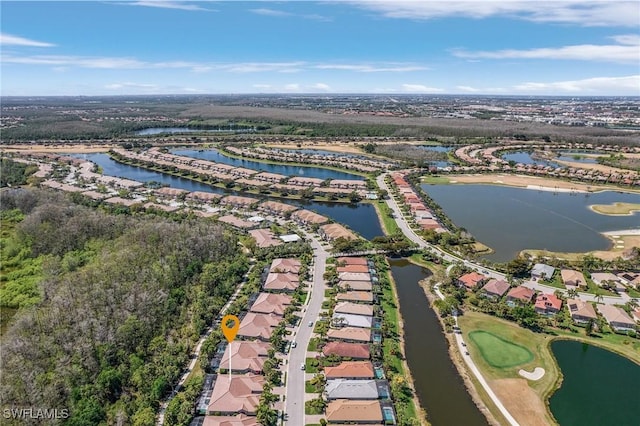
(302, 366)
(310, 323)
(294, 344)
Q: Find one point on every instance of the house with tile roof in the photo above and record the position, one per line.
(355, 296)
(238, 420)
(573, 278)
(271, 303)
(581, 312)
(519, 296)
(258, 326)
(235, 394)
(350, 334)
(547, 304)
(245, 356)
(354, 276)
(347, 350)
(287, 282)
(355, 285)
(495, 289)
(350, 320)
(358, 412)
(353, 308)
(542, 271)
(285, 265)
(471, 280)
(350, 370)
(616, 317)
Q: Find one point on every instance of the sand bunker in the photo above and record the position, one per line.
(536, 375)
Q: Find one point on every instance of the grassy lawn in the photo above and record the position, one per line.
(511, 333)
(384, 215)
(311, 365)
(313, 344)
(434, 180)
(498, 352)
(309, 388)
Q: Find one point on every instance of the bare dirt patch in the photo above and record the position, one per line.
(67, 148)
(521, 401)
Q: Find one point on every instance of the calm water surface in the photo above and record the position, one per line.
(513, 219)
(438, 385)
(160, 130)
(360, 217)
(525, 157)
(599, 387)
(218, 157)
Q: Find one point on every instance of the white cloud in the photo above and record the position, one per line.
(579, 12)
(129, 85)
(629, 86)
(269, 12)
(262, 86)
(11, 40)
(372, 68)
(631, 39)
(627, 52)
(321, 86)
(467, 89)
(166, 4)
(293, 87)
(262, 67)
(420, 88)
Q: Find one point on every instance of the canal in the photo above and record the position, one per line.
(361, 217)
(599, 387)
(440, 389)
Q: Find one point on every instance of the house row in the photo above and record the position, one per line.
(423, 216)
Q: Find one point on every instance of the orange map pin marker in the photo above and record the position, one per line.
(230, 332)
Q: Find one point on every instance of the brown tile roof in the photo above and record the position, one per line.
(271, 303)
(236, 394)
(353, 308)
(285, 265)
(548, 301)
(350, 369)
(573, 278)
(236, 221)
(356, 285)
(471, 280)
(496, 287)
(615, 316)
(354, 276)
(350, 333)
(335, 230)
(265, 238)
(356, 296)
(308, 216)
(353, 268)
(582, 310)
(521, 293)
(239, 420)
(245, 356)
(351, 350)
(344, 410)
(352, 261)
(258, 325)
(281, 282)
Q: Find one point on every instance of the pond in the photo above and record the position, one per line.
(599, 387)
(513, 219)
(218, 157)
(525, 157)
(360, 217)
(436, 148)
(577, 157)
(439, 387)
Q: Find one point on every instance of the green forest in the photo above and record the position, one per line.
(109, 305)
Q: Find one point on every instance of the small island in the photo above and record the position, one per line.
(616, 209)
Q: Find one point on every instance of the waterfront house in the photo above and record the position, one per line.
(495, 289)
(519, 295)
(355, 285)
(271, 303)
(355, 296)
(354, 268)
(258, 326)
(354, 276)
(307, 217)
(617, 318)
(542, 271)
(547, 304)
(581, 312)
(347, 350)
(346, 261)
(354, 412)
(471, 280)
(353, 309)
(333, 231)
(245, 356)
(236, 394)
(352, 389)
(350, 370)
(343, 320)
(573, 278)
(350, 334)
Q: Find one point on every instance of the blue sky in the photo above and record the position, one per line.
(574, 48)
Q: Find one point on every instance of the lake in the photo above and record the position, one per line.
(525, 157)
(439, 387)
(173, 130)
(577, 157)
(361, 217)
(218, 157)
(513, 219)
(436, 148)
(599, 387)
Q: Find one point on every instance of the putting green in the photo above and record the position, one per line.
(498, 352)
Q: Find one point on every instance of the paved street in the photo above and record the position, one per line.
(294, 404)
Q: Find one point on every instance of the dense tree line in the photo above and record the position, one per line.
(123, 300)
(13, 173)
